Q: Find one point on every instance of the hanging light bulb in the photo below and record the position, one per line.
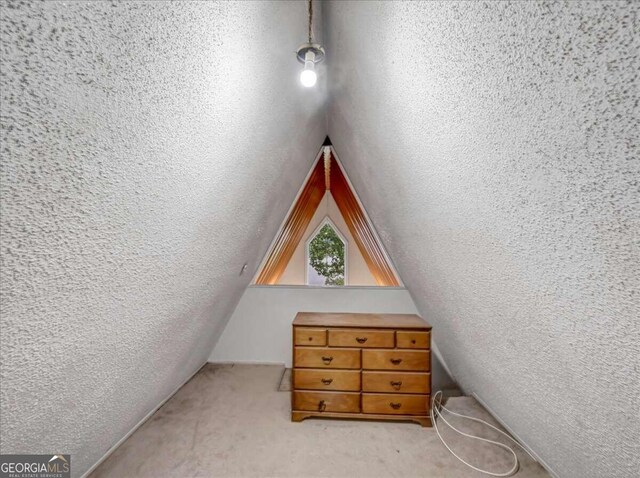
(310, 53)
(308, 76)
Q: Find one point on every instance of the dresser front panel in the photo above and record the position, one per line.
(366, 366)
(361, 338)
(409, 339)
(313, 379)
(396, 382)
(309, 336)
(321, 357)
(326, 401)
(395, 404)
(378, 359)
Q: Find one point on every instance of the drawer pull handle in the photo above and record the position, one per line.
(396, 361)
(326, 381)
(310, 339)
(395, 406)
(361, 340)
(413, 341)
(396, 385)
(327, 360)
(322, 406)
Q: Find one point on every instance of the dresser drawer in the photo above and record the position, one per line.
(407, 339)
(361, 338)
(327, 401)
(311, 379)
(390, 404)
(320, 357)
(309, 336)
(396, 382)
(418, 360)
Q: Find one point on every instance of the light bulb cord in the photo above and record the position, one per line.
(310, 20)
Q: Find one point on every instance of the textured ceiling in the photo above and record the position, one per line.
(495, 146)
(149, 150)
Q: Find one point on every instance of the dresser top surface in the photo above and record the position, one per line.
(380, 321)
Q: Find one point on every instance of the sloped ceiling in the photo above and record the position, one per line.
(150, 149)
(495, 146)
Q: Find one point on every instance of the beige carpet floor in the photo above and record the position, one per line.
(231, 421)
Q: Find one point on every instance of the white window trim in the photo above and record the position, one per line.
(327, 220)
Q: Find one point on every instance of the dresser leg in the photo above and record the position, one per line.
(299, 416)
(425, 422)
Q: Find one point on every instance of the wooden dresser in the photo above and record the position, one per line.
(371, 366)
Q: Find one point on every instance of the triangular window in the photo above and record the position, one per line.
(325, 217)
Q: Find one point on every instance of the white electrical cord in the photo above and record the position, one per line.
(436, 412)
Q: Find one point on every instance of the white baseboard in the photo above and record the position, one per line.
(245, 362)
(511, 432)
(138, 425)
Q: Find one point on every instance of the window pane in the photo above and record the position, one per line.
(326, 258)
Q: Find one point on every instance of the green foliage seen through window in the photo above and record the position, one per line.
(326, 255)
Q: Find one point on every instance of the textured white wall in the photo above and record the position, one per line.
(495, 146)
(149, 150)
(259, 330)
